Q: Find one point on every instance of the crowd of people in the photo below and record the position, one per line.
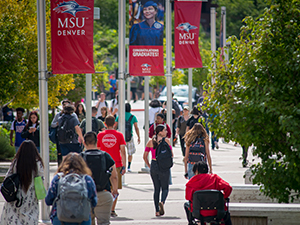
(98, 159)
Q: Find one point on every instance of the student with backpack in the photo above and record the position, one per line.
(162, 161)
(27, 164)
(17, 126)
(104, 170)
(68, 131)
(32, 129)
(72, 192)
(97, 125)
(130, 121)
(197, 149)
(100, 104)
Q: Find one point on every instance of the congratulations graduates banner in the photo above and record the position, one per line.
(72, 36)
(146, 20)
(187, 22)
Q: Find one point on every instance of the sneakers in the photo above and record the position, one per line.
(129, 170)
(217, 145)
(113, 214)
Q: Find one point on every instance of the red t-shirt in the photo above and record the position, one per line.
(110, 142)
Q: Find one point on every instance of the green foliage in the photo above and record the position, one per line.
(256, 98)
(6, 150)
(52, 152)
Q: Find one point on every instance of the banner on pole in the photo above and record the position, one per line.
(146, 54)
(187, 22)
(72, 36)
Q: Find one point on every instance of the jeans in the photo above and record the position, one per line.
(213, 139)
(190, 170)
(55, 221)
(160, 182)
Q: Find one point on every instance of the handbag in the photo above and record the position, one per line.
(39, 187)
(10, 189)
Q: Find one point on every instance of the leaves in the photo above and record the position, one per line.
(256, 97)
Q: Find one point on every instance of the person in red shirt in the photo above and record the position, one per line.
(204, 181)
(159, 120)
(113, 142)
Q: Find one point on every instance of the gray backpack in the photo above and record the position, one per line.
(73, 204)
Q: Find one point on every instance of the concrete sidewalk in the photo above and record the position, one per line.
(135, 205)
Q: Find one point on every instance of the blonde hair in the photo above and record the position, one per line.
(192, 134)
(74, 163)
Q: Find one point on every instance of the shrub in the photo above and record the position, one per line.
(6, 150)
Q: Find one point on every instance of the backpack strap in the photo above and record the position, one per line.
(130, 118)
(106, 104)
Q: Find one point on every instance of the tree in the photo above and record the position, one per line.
(256, 97)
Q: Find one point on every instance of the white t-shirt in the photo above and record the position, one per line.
(101, 104)
(114, 105)
(152, 112)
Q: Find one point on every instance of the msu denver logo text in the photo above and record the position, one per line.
(186, 37)
(65, 25)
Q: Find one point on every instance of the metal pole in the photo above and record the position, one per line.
(121, 61)
(88, 102)
(127, 71)
(169, 63)
(146, 86)
(213, 38)
(223, 12)
(43, 97)
(190, 81)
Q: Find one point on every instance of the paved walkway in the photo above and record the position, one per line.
(135, 205)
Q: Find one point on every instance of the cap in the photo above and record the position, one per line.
(150, 3)
(186, 108)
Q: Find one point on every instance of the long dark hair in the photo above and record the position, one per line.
(29, 123)
(74, 163)
(158, 129)
(26, 159)
(77, 109)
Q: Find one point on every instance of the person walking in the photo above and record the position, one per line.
(113, 83)
(28, 164)
(32, 129)
(72, 163)
(113, 142)
(160, 119)
(181, 127)
(68, 123)
(104, 114)
(130, 141)
(115, 105)
(101, 165)
(54, 125)
(195, 118)
(204, 181)
(160, 179)
(17, 126)
(101, 103)
(80, 112)
(197, 149)
(155, 108)
(97, 125)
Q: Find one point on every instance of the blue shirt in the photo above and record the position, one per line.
(52, 193)
(18, 127)
(113, 83)
(143, 34)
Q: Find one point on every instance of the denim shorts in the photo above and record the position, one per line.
(67, 148)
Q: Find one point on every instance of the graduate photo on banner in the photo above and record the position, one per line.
(146, 19)
(72, 25)
(187, 16)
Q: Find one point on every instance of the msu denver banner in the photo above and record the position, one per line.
(146, 19)
(72, 36)
(187, 22)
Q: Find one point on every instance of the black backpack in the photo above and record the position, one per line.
(176, 108)
(95, 126)
(163, 155)
(197, 151)
(65, 133)
(96, 161)
(10, 188)
(128, 129)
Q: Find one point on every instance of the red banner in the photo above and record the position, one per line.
(146, 55)
(72, 36)
(187, 22)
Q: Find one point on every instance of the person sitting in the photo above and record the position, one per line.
(204, 181)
